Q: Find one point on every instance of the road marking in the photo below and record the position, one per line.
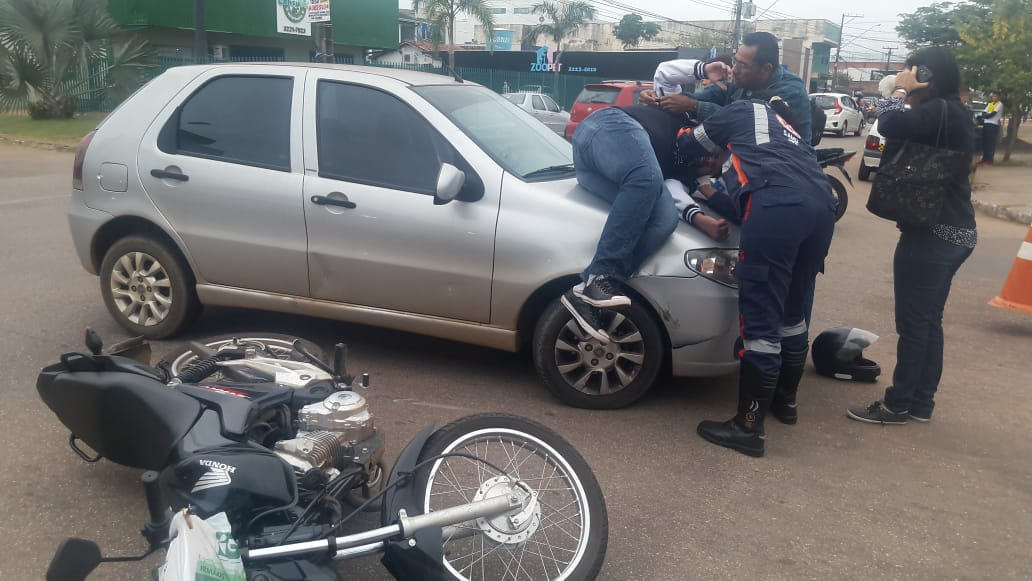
(38, 199)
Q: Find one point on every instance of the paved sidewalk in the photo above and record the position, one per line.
(1006, 191)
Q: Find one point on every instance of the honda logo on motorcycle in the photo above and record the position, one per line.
(217, 475)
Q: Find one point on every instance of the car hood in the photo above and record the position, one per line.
(564, 209)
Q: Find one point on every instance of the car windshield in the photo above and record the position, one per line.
(512, 137)
(606, 95)
(825, 101)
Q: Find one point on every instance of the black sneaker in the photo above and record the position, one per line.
(920, 416)
(877, 413)
(602, 292)
(585, 315)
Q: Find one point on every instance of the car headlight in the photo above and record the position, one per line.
(716, 264)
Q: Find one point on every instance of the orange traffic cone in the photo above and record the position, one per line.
(1017, 291)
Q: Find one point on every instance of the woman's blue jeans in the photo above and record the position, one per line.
(923, 268)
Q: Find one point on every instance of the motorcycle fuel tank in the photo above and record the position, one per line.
(242, 481)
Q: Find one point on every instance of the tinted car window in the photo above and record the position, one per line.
(606, 95)
(550, 104)
(372, 137)
(539, 105)
(243, 120)
(825, 101)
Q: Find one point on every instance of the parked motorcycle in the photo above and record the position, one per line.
(263, 429)
(837, 157)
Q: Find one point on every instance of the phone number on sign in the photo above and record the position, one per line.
(582, 69)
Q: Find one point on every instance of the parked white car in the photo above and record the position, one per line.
(543, 107)
(873, 148)
(844, 115)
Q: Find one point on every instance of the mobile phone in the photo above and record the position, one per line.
(924, 74)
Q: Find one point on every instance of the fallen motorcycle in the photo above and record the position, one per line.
(262, 430)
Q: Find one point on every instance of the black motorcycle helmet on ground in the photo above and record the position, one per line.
(838, 353)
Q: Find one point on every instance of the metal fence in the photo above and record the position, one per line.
(90, 81)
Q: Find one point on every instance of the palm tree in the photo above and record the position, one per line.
(441, 15)
(564, 20)
(47, 51)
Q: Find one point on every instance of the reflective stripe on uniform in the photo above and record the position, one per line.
(793, 330)
(762, 346)
(704, 140)
(761, 124)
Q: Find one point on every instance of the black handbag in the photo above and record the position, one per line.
(910, 189)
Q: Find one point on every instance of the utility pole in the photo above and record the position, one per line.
(838, 49)
(200, 34)
(888, 60)
(738, 26)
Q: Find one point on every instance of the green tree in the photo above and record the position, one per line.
(631, 30)
(47, 49)
(564, 18)
(706, 39)
(441, 15)
(998, 50)
(992, 41)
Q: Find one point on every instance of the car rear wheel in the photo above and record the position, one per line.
(859, 128)
(147, 288)
(845, 128)
(864, 173)
(582, 372)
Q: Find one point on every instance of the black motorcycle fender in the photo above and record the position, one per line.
(425, 559)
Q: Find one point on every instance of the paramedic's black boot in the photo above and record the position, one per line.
(744, 432)
(793, 364)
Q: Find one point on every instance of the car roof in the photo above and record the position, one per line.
(403, 75)
(620, 84)
(829, 95)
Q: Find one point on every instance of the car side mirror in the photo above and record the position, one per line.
(75, 559)
(449, 183)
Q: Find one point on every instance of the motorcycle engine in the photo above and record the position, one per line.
(329, 432)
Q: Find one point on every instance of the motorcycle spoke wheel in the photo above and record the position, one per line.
(273, 345)
(558, 539)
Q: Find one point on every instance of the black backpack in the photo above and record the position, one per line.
(817, 121)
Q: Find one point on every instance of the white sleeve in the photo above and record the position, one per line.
(670, 75)
(687, 208)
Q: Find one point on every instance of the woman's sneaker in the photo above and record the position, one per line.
(601, 291)
(877, 413)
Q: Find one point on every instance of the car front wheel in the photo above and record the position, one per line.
(147, 288)
(582, 372)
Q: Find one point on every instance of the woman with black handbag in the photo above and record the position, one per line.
(924, 185)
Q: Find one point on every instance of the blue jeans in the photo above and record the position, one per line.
(923, 270)
(615, 161)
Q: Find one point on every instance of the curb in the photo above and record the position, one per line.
(1020, 213)
(37, 144)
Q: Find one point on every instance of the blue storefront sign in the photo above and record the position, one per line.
(502, 40)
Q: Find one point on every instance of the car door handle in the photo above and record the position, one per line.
(169, 175)
(327, 201)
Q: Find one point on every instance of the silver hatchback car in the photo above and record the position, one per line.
(543, 108)
(383, 197)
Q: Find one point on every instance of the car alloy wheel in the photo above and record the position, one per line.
(141, 289)
(583, 372)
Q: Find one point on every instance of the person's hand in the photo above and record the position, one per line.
(679, 104)
(907, 80)
(717, 72)
(648, 97)
(715, 228)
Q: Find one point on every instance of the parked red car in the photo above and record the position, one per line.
(601, 95)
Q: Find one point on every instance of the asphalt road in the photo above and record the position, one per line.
(832, 499)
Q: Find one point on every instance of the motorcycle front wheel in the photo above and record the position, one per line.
(563, 537)
(274, 345)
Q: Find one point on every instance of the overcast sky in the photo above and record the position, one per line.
(865, 36)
